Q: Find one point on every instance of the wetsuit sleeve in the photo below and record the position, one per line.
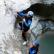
(28, 23)
(21, 13)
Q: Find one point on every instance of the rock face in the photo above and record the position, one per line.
(18, 5)
(8, 11)
(36, 1)
(42, 1)
(48, 1)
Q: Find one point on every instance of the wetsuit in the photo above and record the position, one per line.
(26, 23)
(34, 49)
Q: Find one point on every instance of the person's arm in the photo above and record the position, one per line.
(28, 23)
(21, 14)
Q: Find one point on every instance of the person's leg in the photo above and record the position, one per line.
(24, 35)
(20, 24)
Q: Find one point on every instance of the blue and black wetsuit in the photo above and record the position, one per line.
(34, 50)
(25, 25)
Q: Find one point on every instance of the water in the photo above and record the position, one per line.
(47, 43)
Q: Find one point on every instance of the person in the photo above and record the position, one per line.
(34, 49)
(25, 24)
(34, 46)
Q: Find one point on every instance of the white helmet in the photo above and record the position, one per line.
(30, 13)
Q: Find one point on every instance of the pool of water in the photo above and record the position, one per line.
(47, 43)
